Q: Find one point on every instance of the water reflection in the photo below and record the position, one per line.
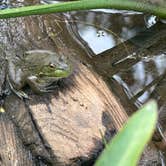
(95, 38)
(102, 30)
(4, 4)
(150, 20)
(140, 75)
(48, 1)
(123, 12)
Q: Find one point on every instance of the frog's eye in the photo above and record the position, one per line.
(51, 65)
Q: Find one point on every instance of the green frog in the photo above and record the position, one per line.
(37, 68)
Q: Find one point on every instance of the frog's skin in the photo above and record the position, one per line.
(37, 68)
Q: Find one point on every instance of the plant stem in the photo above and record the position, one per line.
(84, 5)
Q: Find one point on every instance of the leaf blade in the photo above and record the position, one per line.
(126, 147)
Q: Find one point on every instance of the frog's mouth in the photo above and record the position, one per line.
(58, 73)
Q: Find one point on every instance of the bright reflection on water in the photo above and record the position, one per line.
(117, 11)
(102, 30)
(150, 20)
(140, 75)
(4, 4)
(98, 40)
(49, 1)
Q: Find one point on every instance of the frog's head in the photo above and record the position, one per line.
(56, 68)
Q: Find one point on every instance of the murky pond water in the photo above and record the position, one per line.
(103, 30)
(135, 79)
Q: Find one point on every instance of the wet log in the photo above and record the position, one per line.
(66, 126)
(12, 151)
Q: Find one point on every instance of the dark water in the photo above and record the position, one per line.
(103, 30)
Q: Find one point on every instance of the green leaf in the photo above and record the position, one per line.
(159, 11)
(126, 147)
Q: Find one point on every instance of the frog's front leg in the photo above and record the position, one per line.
(15, 80)
(39, 86)
(19, 93)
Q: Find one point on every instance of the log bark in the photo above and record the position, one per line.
(66, 126)
(12, 151)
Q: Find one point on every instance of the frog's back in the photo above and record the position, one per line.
(40, 57)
